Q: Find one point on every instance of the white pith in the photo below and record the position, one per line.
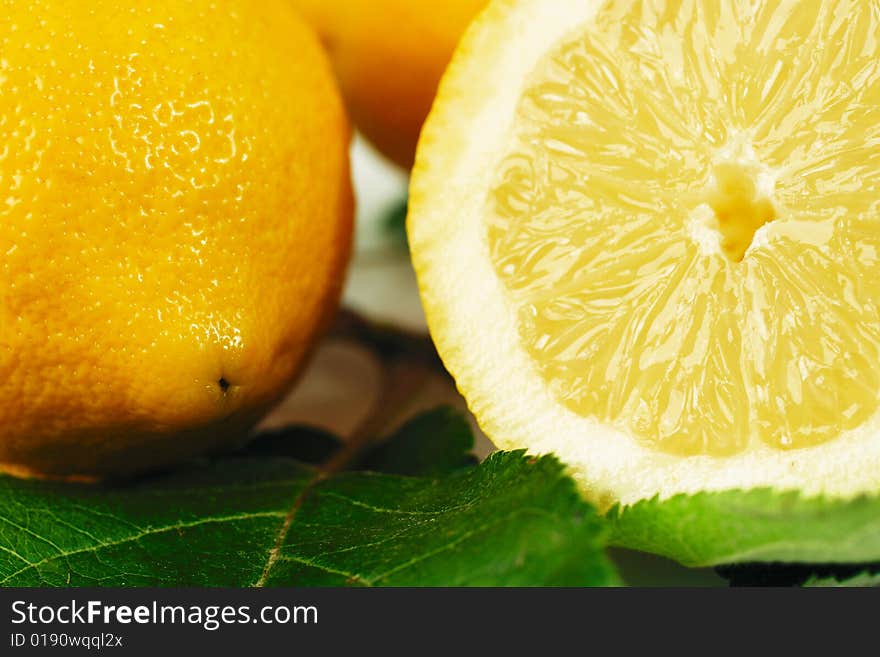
(474, 324)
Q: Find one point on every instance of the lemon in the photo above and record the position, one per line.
(389, 56)
(647, 236)
(175, 219)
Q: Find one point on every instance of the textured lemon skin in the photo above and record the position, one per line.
(473, 323)
(389, 57)
(175, 222)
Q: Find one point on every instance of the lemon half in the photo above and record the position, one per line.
(647, 237)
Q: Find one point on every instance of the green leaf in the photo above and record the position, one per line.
(433, 444)
(306, 444)
(865, 579)
(817, 575)
(761, 525)
(512, 521)
(259, 518)
(394, 223)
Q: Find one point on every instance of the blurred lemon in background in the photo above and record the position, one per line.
(389, 56)
(175, 221)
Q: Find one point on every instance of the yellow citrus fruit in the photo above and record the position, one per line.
(175, 218)
(389, 56)
(647, 236)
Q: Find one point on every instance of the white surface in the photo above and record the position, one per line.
(341, 384)
(381, 283)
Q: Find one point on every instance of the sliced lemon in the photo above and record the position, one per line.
(647, 237)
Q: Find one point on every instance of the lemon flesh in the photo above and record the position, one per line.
(672, 211)
(650, 150)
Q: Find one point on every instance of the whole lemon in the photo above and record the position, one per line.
(175, 221)
(389, 56)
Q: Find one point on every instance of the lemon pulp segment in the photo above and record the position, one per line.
(687, 221)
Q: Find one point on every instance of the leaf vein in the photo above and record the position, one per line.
(136, 537)
(307, 562)
(451, 544)
(26, 530)
(379, 509)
